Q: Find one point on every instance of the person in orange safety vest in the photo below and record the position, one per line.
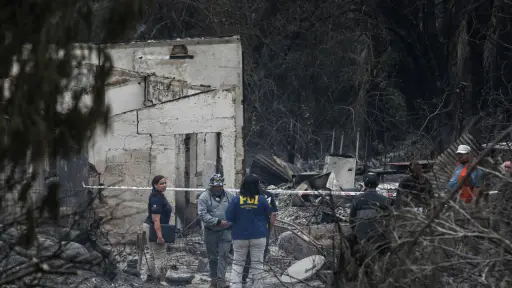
(473, 183)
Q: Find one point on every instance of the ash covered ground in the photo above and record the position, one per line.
(187, 257)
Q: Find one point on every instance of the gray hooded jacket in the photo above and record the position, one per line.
(212, 210)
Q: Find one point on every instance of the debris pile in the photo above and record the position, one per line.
(77, 260)
(272, 170)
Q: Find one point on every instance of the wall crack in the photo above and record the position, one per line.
(150, 155)
(137, 119)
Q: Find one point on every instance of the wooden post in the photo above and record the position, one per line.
(141, 245)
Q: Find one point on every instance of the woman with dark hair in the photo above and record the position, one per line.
(159, 212)
(248, 214)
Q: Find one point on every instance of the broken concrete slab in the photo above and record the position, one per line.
(295, 246)
(303, 270)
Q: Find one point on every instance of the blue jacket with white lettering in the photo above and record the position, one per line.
(249, 217)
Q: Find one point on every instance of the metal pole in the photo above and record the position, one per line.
(357, 145)
(357, 151)
(342, 138)
(332, 141)
(298, 139)
(366, 148)
(385, 152)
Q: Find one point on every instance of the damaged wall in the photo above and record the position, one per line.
(181, 118)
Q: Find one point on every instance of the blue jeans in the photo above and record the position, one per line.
(245, 273)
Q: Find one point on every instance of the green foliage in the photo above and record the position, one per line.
(39, 65)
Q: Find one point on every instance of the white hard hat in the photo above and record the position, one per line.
(463, 149)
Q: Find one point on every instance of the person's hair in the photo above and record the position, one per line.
(156, 179)
(154, 182)
(371, 180)
(250, 186)
(413, 164)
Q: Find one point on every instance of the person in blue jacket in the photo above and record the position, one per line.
(271, 222)
(159, 212)
(248, 215)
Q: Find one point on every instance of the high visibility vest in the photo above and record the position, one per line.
(466, 192)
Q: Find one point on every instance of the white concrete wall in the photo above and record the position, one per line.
(126, 97)
(152, 115)
(205, 113)
(216, 63)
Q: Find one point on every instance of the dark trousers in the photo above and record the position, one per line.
(245, 273)
(361, 251)
(218, 244)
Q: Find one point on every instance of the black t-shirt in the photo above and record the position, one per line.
(368, 215)
(158, 204)
(412, 192)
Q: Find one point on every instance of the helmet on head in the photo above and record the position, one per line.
(371, 180)
(216, 180)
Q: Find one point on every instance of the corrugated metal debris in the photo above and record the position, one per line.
(273, 171)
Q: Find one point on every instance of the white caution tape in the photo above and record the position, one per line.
(335, 193)
(285, 192)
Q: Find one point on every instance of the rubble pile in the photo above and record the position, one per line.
(313, 210)
(297, 215)
(187, 259)
(75, 260)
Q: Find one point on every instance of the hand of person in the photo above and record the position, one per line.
(224, 223)
(160, 240)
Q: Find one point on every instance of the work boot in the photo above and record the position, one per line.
(213, 283)
(222, 284)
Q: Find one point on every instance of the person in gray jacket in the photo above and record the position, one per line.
(212, 205)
